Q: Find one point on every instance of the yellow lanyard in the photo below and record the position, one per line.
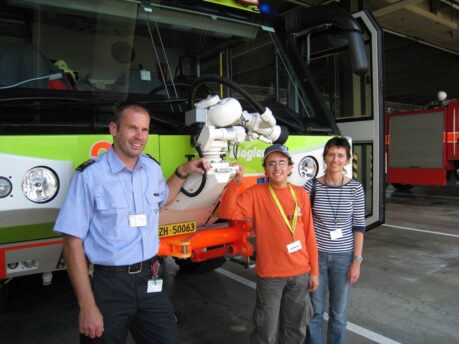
(279, 206)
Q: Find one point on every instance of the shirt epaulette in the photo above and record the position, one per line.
(149, 156)
(84, 165)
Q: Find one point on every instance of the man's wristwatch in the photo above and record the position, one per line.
(179, 175)
(359, 259)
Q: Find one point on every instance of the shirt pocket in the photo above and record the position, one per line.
(111, 216)
(110, 203)
(153, 200)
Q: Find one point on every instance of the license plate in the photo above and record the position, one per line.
(177, 229)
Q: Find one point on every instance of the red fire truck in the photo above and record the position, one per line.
(422, 146)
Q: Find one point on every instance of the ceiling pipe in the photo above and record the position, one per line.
(418, 40)
(451, 3)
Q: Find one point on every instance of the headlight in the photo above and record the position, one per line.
(5, 187)
(308, 168)
(40, 184)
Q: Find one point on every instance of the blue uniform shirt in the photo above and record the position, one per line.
(99, 201)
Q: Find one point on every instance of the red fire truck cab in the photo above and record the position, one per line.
(422, 146)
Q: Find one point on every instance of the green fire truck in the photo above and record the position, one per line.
(298, 76)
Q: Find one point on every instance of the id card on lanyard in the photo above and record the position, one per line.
(296, 244)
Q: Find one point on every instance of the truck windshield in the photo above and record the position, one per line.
(95, 54)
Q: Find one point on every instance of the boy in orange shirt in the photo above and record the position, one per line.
(287, 265)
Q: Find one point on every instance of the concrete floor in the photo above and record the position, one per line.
(408, 291)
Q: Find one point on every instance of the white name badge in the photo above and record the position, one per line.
(155, 285)
(336, 234)
(137, 220)
(294, 246)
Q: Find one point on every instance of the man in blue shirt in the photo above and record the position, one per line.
(110, 218)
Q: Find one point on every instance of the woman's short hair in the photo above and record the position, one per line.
(340, 142)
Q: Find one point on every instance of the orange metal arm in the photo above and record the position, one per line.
(209, 243)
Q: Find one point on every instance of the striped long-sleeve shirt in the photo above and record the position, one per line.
(337, 207)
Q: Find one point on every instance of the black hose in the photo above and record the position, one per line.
(199, 189)
(221, 79)
(203, 180)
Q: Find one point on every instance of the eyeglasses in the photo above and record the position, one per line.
(280, 164)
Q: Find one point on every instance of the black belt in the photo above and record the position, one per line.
(130, 269)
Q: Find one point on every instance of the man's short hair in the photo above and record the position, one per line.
(119, 111)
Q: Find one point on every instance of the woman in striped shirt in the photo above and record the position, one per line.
(339, 224)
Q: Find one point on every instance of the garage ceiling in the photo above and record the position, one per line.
(434, 22)
(421, 45)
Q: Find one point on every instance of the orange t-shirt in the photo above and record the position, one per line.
(272, 234)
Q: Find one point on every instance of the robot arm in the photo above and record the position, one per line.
(220, 122)
(223, 121)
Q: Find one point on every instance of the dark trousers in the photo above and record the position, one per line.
(282, 310)
(126, 306)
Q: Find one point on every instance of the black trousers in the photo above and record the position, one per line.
(126, 306)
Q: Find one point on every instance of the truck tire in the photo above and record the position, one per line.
(186, 265)
(402, 187)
